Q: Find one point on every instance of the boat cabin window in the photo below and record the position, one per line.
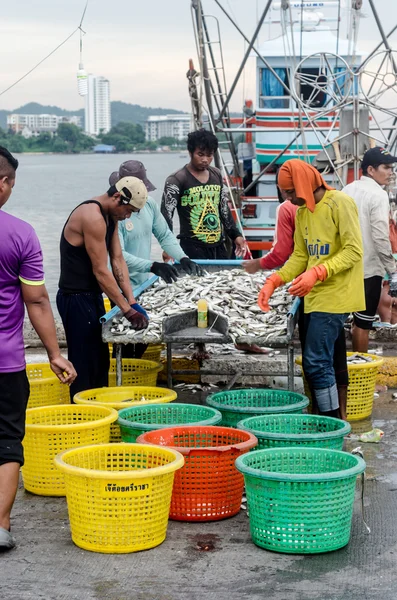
(313, 87)
(273, 94)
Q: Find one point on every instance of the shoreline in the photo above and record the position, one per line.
(98, 153)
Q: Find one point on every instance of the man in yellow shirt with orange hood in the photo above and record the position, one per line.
(326, 267)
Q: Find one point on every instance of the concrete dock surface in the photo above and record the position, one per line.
(215, 561)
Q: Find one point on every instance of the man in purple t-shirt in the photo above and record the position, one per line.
(21, 284)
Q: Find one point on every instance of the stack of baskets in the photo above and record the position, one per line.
(52, 429)
(138, 419)
(189, 462)
(135, 371)
(360, 393)
(45, 387)
(122, 397)
(239, 404)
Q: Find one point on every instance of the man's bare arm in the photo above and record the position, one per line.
(120, 269)
(94, 231)
(40, 314)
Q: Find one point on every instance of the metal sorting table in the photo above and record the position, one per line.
(181, 329)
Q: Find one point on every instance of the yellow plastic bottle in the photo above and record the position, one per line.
(202, 313)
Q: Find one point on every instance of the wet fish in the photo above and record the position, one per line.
(232, 293)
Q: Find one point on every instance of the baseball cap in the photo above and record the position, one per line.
(132, 168)
(133, 191)
(377, 156)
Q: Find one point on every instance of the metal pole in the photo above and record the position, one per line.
(377, 48)
(387, 46)
(169, 366)
(229, 138)
(356, 120)
(265, 169)
(290, 358)
(382, 33)
(119, 364)
(198, 9)
(281, 82)
(248, 52)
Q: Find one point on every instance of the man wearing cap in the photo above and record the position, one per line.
(136, 235)
(89, 237)
(373, 208)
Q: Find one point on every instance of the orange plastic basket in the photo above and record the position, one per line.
(208, 487)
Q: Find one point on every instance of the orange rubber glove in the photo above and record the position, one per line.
(272, 282)
(303, 284)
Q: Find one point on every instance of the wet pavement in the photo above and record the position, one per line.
(215, 561)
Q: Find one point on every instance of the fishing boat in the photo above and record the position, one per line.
(319, 97)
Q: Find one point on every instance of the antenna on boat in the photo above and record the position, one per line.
(82, 78)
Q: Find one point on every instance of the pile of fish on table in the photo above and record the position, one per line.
(232, 293)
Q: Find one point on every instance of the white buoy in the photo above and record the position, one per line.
(82, 81)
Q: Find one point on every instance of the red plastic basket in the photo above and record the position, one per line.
(208, 487)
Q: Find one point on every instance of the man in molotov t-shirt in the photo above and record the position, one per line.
(198, 194)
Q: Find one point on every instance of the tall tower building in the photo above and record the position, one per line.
(97, 105)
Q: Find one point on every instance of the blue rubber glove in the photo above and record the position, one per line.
(140, 309)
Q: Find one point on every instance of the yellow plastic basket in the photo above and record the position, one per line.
(45, 387)
(360, 393)
(153, 352)
(136, 371)
(124, 397)
(180, 363)
(52, 429)
(119, 495)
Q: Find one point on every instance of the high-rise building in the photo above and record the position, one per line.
(176, 126)
(97, 105)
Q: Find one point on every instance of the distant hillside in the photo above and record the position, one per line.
(121, 111)
(133, 113)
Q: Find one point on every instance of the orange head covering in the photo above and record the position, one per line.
(297, 175)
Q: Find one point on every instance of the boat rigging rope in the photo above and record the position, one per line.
(79, 28)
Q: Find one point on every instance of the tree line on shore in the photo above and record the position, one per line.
(70, 139)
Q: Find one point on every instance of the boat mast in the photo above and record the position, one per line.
(198, 12)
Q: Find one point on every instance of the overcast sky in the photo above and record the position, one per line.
(141, 46)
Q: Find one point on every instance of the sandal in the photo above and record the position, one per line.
(7, 541)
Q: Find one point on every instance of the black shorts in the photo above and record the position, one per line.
(373, 288)
(14, 396)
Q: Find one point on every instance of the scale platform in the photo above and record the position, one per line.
(182, 328)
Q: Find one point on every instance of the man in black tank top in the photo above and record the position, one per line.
(88, 239)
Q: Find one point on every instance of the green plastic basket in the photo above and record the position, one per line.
(236, 405)
(274, 431)
(136, 420)
(300, 500)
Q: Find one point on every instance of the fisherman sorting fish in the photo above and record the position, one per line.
(281, 250)
(135, 234)
(197, 193)
(326, 268)
(88, 239)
